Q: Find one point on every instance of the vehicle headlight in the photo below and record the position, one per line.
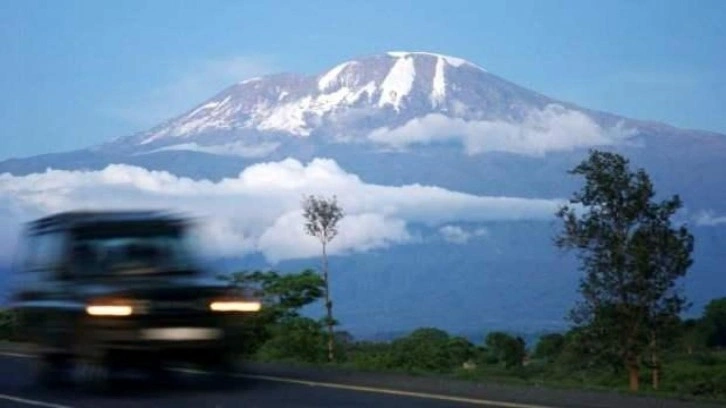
(110, 308)
(235, 306)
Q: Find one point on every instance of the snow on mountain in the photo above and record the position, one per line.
(398, 82)
(456, 62)
(349, 101)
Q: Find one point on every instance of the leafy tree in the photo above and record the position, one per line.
(714, 323)
(506, 349)
(370, 355)
(295, 338)
(691, 335)
(283, 296)
(322, 216)
(550, 346)
(460, 350)
(632, 258)
(429, 349)
(344, 339)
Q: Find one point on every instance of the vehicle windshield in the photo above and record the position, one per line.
(132, 250)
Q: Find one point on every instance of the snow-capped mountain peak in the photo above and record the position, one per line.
(453, 61)
(380, 89)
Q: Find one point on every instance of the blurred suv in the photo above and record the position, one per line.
(123, 289)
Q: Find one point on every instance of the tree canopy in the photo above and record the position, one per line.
(632, 258)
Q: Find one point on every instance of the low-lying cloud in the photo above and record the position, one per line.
(553, 128)
(240, 149)
(459, 235)
(259, 210)
(709, 219)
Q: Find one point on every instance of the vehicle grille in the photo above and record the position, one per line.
(176, 303)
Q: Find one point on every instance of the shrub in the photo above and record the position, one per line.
(295, 339)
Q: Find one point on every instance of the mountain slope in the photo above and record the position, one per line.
(398, 101)
(362, 100)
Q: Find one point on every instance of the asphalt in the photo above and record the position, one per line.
(18, 389)
(284, 386)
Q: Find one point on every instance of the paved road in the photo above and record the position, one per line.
(18, 390)
(283, 386)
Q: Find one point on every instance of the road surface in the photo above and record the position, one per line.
(298, 387)
(17, 389)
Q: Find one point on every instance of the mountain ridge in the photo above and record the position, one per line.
(252, 143)
(368, 76)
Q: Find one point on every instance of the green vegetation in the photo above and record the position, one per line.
(632, 259)
(627, 324)
(714, 323)
(279, 331)
(690, 365)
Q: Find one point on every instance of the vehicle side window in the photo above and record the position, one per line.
(24, 252)
(46, 252)
(23, 277)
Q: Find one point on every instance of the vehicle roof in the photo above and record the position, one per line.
(72, 219)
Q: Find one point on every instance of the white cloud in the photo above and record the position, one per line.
(709, 219)
(241, 149)
(458, 235)
(259, 210)
(551, 129)
(188, 85)
(358, 232)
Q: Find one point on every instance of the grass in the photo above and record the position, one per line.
(698, 378)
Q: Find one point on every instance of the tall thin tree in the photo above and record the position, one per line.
(322, 216)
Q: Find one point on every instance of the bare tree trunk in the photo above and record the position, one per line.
(634, 376)
(328, 305)
(655, 362)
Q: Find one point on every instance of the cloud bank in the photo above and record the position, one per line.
(459, 235)
(551, 129)
(240, 149)
(259, 210)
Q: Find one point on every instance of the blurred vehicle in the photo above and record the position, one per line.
(113, 290)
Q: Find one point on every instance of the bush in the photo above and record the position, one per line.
(694, 379)
(295, 339)
(371, 356)
(550, 347)
(424, 349)
(506, 349)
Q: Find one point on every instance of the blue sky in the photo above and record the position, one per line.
(76, 73)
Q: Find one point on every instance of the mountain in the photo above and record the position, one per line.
(392, 117)
(346, 102)
(424, 119)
